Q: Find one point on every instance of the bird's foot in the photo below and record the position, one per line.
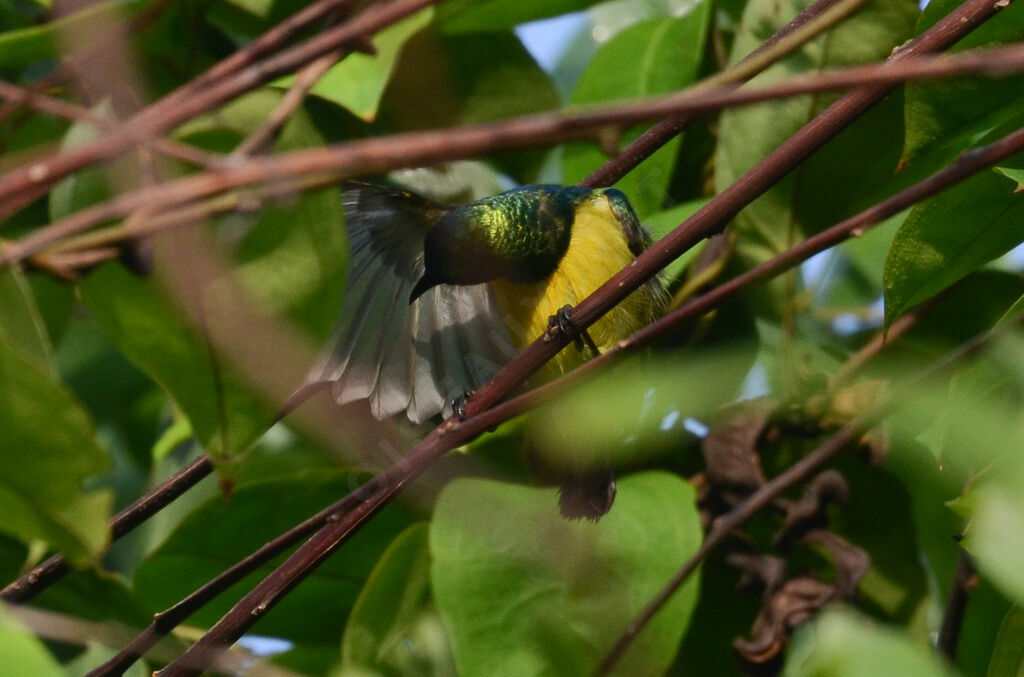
(459, 403)
(561, 323)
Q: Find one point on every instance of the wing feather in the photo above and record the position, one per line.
(399, 356)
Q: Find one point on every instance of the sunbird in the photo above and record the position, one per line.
(439, 297)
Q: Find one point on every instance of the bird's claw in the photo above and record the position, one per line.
(459, 403)
(561, 323)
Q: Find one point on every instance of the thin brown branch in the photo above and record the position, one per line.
(965, 579)
(293, 571)
(880, 340)
(809, 23)
(420, 148)
(22, 96)
(229, 79)
(165, 621)
(260, 141)
(32, 583)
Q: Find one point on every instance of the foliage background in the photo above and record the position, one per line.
(110, 383)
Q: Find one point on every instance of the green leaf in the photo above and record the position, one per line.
(289, 259)
(146, 326)
(88, 187)
(20, 322)
(842, 643)
(652, 57)
(1008, 654)
(996, 536)
(849, 172)
(443, 80)
(470, 16)
(358, 81)
(525, 592)
(393, 628)
(49, 450)
(1013, 173)
(662, 223)
(225, 529)
(1017, 307)
(896, 585)
(948, 114)
(24, 46)
(950, 236)
(636, 411)
(96, 654)
(21, 652)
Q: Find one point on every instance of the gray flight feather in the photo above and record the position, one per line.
(399, 356)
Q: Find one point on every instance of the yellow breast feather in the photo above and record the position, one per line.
(597, 250)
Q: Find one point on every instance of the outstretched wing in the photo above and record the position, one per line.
(400, 356)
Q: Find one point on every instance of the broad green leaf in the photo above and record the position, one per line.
(146, 326)
(443, 80)
(1017, 307)
(358, 81)
(1013, 173)
(896, 586)
(656, 56)
(950, 236)
(49, 450)
(843, 643)
(636, 411)
(21, 652)
(978, 644)
(472, 16)
(1008, 655)
(949, 113)
(20, 322)
(94, 595)
(996, 534)
(393, 628)
(848, 173)
(225, 529)
(525, 592)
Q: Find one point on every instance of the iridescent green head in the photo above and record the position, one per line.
(520, 235)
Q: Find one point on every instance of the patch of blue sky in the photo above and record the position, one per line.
(549, 39)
